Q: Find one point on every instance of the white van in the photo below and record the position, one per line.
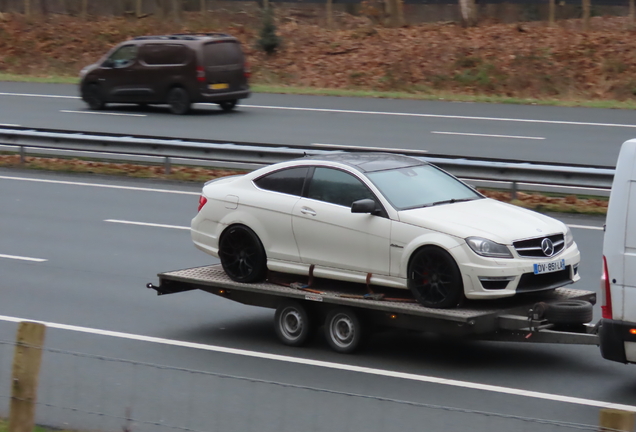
(618, 283)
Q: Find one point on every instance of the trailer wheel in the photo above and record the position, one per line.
(343, 330)
(569, 312)
(292, 323)
(242, 255)
(434, 278)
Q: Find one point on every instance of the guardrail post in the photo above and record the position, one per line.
(22, 155)
(616, 420)
(26, 370)
(166, 166)
(513, 191)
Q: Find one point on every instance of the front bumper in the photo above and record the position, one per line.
(617, 343)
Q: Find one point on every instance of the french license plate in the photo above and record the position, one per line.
(219, 86)
(549, 267)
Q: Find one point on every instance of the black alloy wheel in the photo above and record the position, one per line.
(434, 278)
(228, 106)
(242, 255)
(179, 101)
(93, 97)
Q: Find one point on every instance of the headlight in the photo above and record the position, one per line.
(569, 238)
(488, 248)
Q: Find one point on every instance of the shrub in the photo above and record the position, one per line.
(268, 40)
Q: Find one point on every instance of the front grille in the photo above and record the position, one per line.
(545, 281)
(531, 248)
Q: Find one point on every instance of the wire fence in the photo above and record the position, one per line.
(87, 392)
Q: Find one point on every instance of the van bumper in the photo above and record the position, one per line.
(613, 335)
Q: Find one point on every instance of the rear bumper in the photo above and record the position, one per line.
(614, 336)
(206, 97)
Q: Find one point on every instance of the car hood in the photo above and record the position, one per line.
(493, 220)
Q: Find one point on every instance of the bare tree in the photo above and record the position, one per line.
(330, 13)
(204, 7)
(139, 8)
(84, 12)
(176, 11)
(551, 13)
(586, 14)
(468, 11)
(632, 12)
(27, 8)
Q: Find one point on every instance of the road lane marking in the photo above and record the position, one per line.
(343, 111)
(39, 95)
(103, 113)
(487, 135)
(21, 258)
(588, 227)
(100, 185)
(333, 366)
(147, 224)
(366, 148)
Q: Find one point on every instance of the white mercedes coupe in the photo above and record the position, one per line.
(384, 219)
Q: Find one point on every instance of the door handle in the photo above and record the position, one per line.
(307, 211)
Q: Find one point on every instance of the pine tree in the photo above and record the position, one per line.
(268, 39)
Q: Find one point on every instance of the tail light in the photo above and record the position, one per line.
(200, 74)
(202, 201)
(247, 72)
(606, 293)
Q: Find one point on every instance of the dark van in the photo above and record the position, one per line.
(178, 70)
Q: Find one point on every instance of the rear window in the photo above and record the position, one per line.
(222, 53)
(164, 54)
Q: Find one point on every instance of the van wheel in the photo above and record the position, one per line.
(293, 324)
(228, 106)
(242, 254)
(93, 97)
(179, 101)
(434, 278)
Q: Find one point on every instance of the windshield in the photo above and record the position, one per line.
(420, 186)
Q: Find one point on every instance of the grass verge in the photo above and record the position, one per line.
(535, 201)
(415, 95)
(4, 427)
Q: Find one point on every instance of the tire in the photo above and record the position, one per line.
(292, 323)
(228, 106)
(94, 98)
(179, 101)
(434, 278)
(569, 312)
(242, 255)
(343, 330)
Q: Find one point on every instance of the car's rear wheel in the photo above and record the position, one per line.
(242, 254)
(93, 97)
(228, 106)
(434, 278)
(293, 324)
(179, 101)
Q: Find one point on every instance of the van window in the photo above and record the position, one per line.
(124, 56)
(164, 54)
(222, 53)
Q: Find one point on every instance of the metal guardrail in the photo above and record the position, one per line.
(512, 172)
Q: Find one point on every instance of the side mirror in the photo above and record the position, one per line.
(363, 206)
(108, 63)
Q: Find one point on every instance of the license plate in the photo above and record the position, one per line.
(549, 267)
(219, 86)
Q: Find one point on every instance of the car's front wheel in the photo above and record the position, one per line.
(242, 254)
(434, 278)
(179, 101)
(93, 97)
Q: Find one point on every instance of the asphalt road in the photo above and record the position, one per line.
(94, 277)
(527, 133)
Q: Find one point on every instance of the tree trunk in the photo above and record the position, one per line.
(400, 12)
(139, 8)
(27, 8)
(84, 13)
(176, 11)
(632, 12)
(586, 14)
(468, 11)
(204, 7)
(329, 13)
(44, 7)
(551, 13)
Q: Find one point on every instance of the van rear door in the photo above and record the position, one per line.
(224, 65)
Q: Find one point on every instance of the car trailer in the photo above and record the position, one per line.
(349, 312)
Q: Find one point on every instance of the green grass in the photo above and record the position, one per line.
(415, 95)
(4, 427)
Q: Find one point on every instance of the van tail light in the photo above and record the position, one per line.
(606, 293)
(202, 201)
(200, 74)
(247, 72)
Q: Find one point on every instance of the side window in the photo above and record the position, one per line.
(223, 54)
(124, 56)
(287, 181)
(337, 187)
(163, 54)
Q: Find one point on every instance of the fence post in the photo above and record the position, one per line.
(26, 370)
(166, 165)
(22, 155)
(616, 420)
(513, 190)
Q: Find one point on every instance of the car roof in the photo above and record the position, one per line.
(369, 162)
